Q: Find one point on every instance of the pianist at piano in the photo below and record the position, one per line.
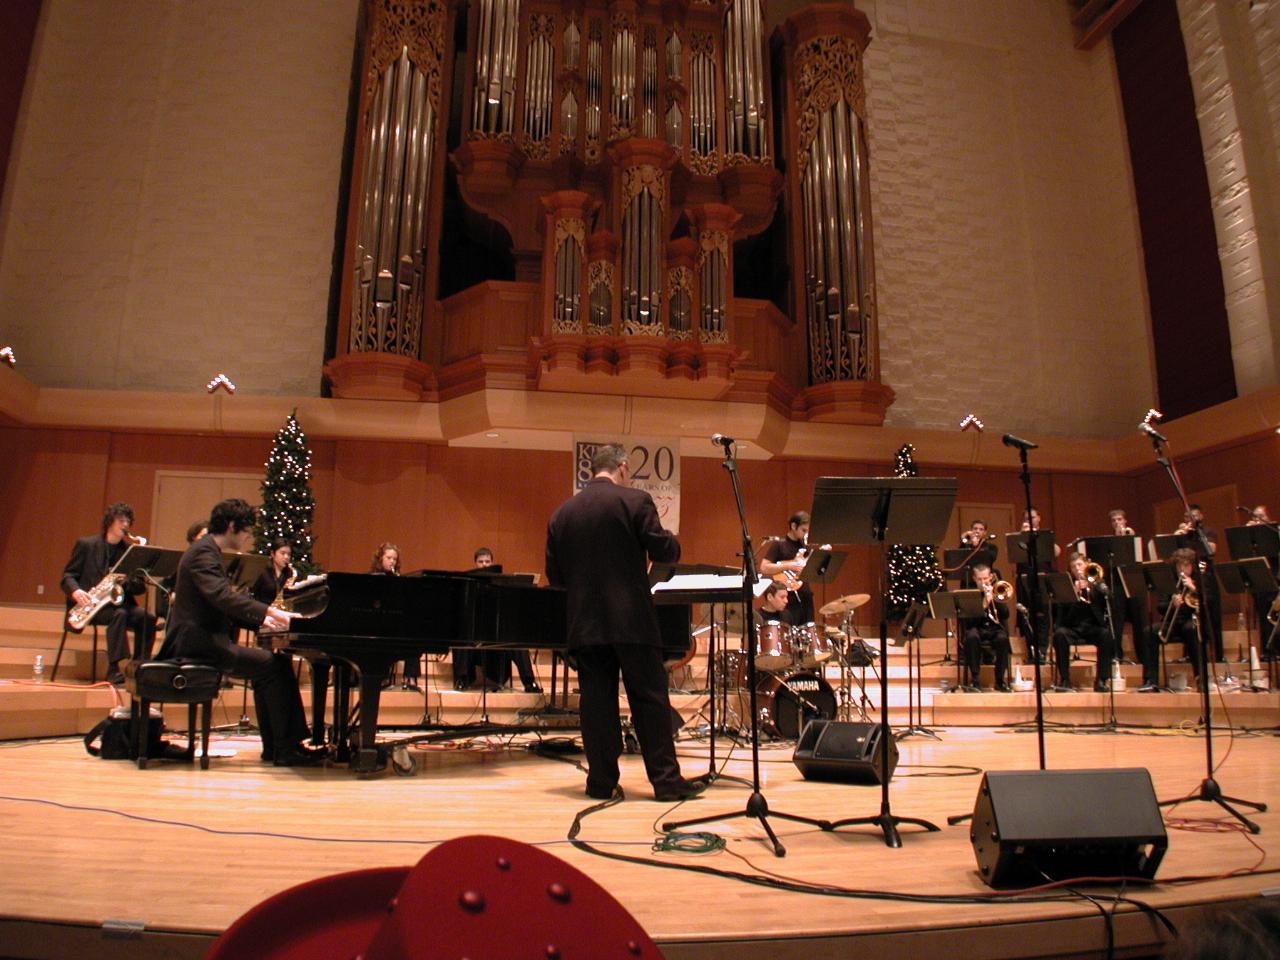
(205, 613)
(597, 544)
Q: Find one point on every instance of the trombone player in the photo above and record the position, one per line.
(92, 558)
(1084, 622)
(988, 630)
(1180, 612)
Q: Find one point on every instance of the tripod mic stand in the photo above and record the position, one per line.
(757, 806)
(1208, 791)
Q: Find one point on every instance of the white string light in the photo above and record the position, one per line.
(223, 381)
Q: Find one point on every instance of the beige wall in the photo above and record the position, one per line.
(173, 194)
(1008, 256)
(176, 179)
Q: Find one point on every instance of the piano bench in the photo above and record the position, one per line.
(173, 681)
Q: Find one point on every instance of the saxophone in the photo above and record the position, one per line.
(108, 590)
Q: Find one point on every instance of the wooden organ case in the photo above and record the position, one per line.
(618, 151)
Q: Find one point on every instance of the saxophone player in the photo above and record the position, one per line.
(91, 560)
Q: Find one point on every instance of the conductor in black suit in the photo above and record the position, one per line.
(597, 545)
(92, 559)
(205, 613)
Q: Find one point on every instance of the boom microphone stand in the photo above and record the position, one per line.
(1209, 791)
(757, 807)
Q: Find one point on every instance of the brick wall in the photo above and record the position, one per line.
(172, 207)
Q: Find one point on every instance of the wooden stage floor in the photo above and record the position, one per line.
(183, 852)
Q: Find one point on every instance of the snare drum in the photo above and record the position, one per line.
(811, 644)
(773, 649)
(731, 669)
(785, 702)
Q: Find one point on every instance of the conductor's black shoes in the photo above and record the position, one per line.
(678, 790)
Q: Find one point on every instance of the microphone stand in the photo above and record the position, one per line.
(1208, 791)
(757, 807)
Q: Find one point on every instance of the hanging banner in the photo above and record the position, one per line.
(654, 463)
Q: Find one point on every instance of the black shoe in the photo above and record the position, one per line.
(971, 688)
(532, 688)
(1060, 688)
(411, 684)
(299, 758)
(1182, 660)
(1003, 688)
(679, 790)
(600, 793)
(115, 678)
(387, 682)
(1102, 687)
(1148, 688)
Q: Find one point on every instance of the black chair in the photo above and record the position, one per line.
(173, 681)
(93, 663)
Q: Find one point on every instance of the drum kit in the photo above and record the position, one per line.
(791, 686)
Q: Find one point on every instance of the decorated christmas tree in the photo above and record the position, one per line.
(913, 569)
(287, 503)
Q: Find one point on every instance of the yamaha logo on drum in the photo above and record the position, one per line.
(810, 685)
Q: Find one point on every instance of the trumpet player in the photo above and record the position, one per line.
(1084, 622)
(1120, 524)
(981, 545)
(988, 630)
(91, 560)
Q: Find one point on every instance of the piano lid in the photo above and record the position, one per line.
(436, 607)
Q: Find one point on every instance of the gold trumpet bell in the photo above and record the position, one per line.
(1094, 573)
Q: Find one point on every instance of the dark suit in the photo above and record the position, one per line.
(203, 618)
(91, 559)
(979, 632)
(1083, 622)
(597, 546)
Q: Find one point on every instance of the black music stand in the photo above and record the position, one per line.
(1250, 576)
(1112, 552)
(822, 567)
(148, 565)
(954, 605)
(1208, 791)
(909, 630)
(864, 510)
(757, 807)
(1015, 546)
(1146, 578)
(662, 573)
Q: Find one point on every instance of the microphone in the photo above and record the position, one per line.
(1245, 510)
(1152, 432)
(719, 439)
(1009, 440)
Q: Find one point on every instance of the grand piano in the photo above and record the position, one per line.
(371, 622)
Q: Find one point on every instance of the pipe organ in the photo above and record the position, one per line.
(623, 149)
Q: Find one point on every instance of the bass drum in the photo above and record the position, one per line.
(785, 702)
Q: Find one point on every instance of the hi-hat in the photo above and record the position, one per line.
(843, 605)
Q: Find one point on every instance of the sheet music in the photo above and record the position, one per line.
(708, 581)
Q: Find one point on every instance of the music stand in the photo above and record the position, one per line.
(865, 510)
(243, 569)
(1151, 577)
(1112, 552)
(1015, 546)
(1249, 576)
(953, 605)
(822, 567)
(908, 630)
(150, 565)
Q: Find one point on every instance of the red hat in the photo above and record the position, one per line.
(476, 897)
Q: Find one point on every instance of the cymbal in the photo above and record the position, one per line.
(843, 605)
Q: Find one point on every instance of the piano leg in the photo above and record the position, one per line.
(341, 712)
(320, 669)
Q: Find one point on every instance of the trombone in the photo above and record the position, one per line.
(1094, 578)
(1187, 592)
(999, 592)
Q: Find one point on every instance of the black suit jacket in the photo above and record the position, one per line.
(91, 559)
(1079, 615)
(206, 609)
(597, 545)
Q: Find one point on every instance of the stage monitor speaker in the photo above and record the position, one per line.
(1034, 826)
(840, 751)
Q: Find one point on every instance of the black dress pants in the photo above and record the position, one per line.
(1064, 637)
(645, 680)
(275, 693)
(994, 636)
(120, 621)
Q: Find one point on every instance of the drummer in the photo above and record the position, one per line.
(772, 607)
